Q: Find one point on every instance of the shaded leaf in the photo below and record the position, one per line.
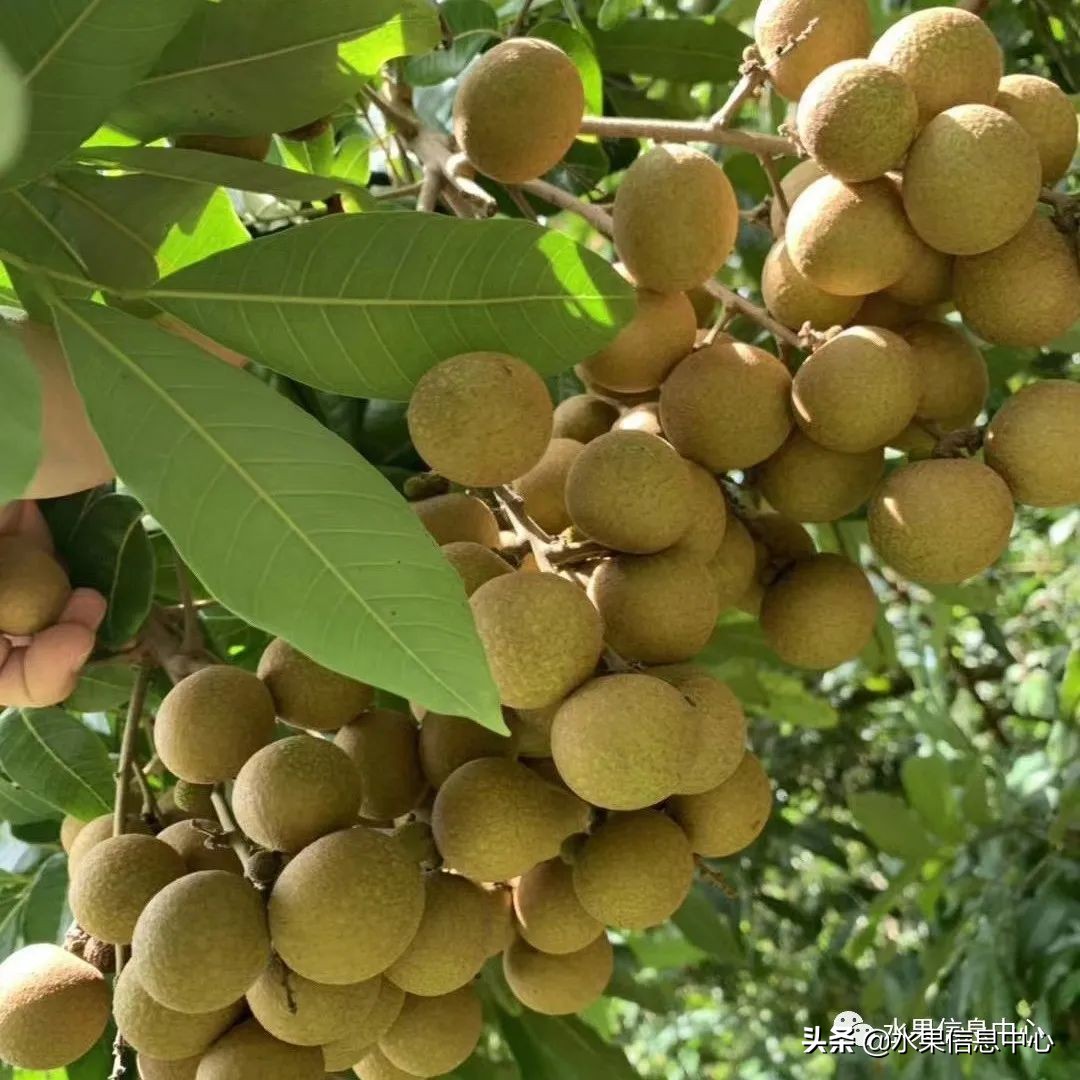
(682, 50)
(79, 58)
(890, 824)
(365, 304)
(473, 24)
(19, 807)
(928, 787)
(283, 522)
(51, 755)
(46, 916)
(20, 417)
(790, 701)
(614, 12)
(706, 927)
(101, 687)
(14, 110)
(109, 550)
(271, 65)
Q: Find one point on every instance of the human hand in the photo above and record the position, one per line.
(42, 669)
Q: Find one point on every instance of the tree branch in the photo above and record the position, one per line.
(595, 215)
(732, 299)
(706, 131)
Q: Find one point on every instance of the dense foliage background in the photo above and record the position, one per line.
(922, 859)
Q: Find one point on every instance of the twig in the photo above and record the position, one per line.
(192, 639)
(126, 764)
(117, 1053)
(715, 877)
(434, 151)
(568, 554)
(595, 215)
(230, 830)
(768, 163)
(399, 192)
(429, 189)
(519, 22)
(513, 506)
(149, 811)
(706, 131)
(521, 202)
(732, 299)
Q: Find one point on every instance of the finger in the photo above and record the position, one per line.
(52, 662)
(5, 650)
(13, 688)
(23, 518)
(85, 607)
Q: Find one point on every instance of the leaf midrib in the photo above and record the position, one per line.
(64, 766)
(342, 301)
(261, 494)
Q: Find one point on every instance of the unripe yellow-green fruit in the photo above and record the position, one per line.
(583, 417)
(559, 985)
(495, 819)
(210, 723)
(33, 587)
(518, 109)
(451, 943)
(151, 1068)
(948, 56)
(201, 845)
(850, 239)
(730, 817)
(928, 280)
(1045, 112)
(94, 832)
(346, 907)
(53, 1007)
(116, 880)
(718, 739)
(531, 730)
(458, 517)
(480, 419)
(305, 1013)
(942, 521)
(1033, 443)
(365, 1031)
(375, 1065)
(675, 218)
(474, 563)
(819, 612)
(657, 609)
(635, 870)
(251, 147)
(296, 790)
(1024, 293)
(971, 180)
(708, 518)
(842, 30)
(805, 481)
(620, 742)
(794, 299)
(384, 746)
(540, 634)
(202, 941)
(660, 334)
(150, 1028)
(249, 1052)
(448, 742)
(857, 119)
(794, 183)
(308, 695)
(543, 487)
(549, 914)
(434, 1035)
(630, 491)
(952, 374)
(732, 567)
(726, 406)
(857, 391)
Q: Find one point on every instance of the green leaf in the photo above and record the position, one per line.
(365, 304)
(109, 551)
(20, 417)
(473, 24)
(891, 825)
(580, 49)
(79, 58)
(705, 927)
(45, 918)
(790, 701)
(272, 65)
(352, 160)
(197, 236)
(682, 50)
(614, 12)
(198, 166)
(571, 1049)
(19, 807)
(14, 110)
(56, 758)
(928, 786)
(1069, 693)
(285, 524)
(101, 687)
